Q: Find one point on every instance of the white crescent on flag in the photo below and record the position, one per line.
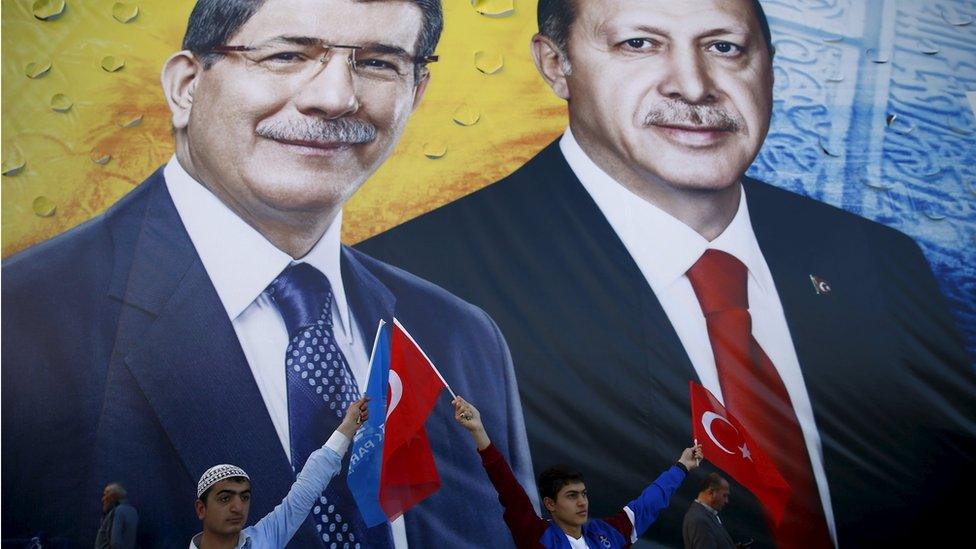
(707, 419)
(396, 392)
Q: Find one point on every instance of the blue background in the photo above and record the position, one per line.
(871, 114)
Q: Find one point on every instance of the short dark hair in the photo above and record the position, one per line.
(237, 480)
(553, 479)
(713, 481)
(213, 22)
(555, 17)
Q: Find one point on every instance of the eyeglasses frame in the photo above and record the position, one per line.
(419, 62)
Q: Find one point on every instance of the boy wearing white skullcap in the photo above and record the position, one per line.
(224, 495)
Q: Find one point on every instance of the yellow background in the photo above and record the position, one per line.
(518, 114)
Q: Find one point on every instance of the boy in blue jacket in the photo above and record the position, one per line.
(564, 496)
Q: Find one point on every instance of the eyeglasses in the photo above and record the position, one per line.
(306, 59)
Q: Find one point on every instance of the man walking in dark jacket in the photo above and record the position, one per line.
(702, 528)
(119, 520)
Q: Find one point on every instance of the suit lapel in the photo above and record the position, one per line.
(637, 309)
(182, 351)
(822, 329)
(791, 261)
(369, 299)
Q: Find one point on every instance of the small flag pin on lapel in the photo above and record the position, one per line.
(820, 285)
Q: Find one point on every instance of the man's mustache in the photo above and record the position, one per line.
(351, 131)
(679, 113)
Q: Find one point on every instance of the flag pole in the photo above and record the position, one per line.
(372, 354)
(429, 361)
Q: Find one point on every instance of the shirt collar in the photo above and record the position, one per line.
(240, 261)
(243, 541)
(707, 507)
(641, 226)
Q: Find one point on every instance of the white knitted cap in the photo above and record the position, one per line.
(218, 473)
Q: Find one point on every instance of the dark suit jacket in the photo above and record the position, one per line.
(120, 364)
(702, 530)
(604, 377)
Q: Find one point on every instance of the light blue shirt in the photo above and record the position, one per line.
(278, 527)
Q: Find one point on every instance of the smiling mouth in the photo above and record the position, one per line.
(313, 147)
(694, 136)
(695, 127)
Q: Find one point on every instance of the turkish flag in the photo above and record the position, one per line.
(729, 447)
(409, 474)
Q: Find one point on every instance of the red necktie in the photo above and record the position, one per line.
(754, 393)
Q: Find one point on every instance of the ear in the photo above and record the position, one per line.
(420, 89)
(179, 78)
(549, 504)
(548, 61)
(200, 508)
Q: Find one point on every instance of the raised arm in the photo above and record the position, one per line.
(634, 519)
(526, 527)
(284, 520)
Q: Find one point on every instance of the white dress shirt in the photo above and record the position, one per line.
(664, 249)
(241, 263)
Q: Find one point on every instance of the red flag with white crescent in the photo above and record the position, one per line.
(729, 447)
(409, 474)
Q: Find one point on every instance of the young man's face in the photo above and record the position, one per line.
(225, 511)
(571, 506)
(674, 94)
(265, 139)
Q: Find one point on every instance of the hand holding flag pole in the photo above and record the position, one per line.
(470, 418)
(356, 414)
(691, 457)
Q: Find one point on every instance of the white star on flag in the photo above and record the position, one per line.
(746, 454)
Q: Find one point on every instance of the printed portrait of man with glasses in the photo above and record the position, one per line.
(149, 343)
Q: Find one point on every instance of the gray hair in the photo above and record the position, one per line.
(117, 489)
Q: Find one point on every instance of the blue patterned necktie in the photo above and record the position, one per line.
(320, 388)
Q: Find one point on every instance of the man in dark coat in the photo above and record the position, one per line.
(702, 527)
(120, 521)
